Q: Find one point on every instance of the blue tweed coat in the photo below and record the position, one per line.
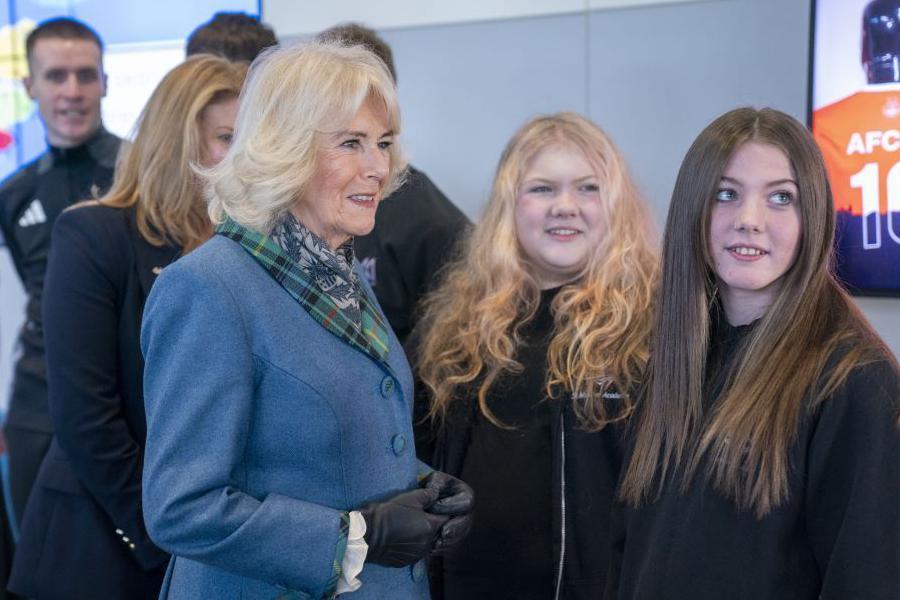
(263, 429)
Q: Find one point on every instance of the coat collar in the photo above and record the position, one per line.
(102, 148)
(371, 337)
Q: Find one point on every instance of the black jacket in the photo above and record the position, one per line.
(836, 537)
(83, 534)
(584, 469)
(416, 230)
(30, 200)
(581, 501)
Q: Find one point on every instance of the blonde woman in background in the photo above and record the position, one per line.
(84, 535)
(529, 351)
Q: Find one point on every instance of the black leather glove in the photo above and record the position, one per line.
(456, 499)
(399, 531)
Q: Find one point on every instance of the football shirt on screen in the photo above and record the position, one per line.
(860, 141)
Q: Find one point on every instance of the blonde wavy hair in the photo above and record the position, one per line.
(154, 172)
(601, 319)
(294, 96)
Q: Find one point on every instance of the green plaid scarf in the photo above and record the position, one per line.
(371, 336)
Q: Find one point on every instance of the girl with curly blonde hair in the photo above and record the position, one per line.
(529, 351)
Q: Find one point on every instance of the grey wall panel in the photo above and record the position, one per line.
(884, 315)
(465, 89)
(291, 18)
(658, 75)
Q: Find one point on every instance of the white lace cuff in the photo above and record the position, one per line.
(354, 556)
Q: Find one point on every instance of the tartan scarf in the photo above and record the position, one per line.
(332, 270)
(370, 334)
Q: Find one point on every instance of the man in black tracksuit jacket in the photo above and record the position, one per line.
(67, 81)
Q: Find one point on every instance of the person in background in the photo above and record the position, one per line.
(83, 535)
(66, 80)
(280, 456)
(529, 352)
(416, 229)
(236, 36)
(764, 456)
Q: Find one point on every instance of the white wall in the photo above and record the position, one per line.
(290, 18)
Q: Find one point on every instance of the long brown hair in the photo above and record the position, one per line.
(154, 172)
(602, 319)
(780, 369)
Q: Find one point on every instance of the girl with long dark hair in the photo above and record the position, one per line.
(764, 457)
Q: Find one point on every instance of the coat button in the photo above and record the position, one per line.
(398, 444)
(119, 532)
(418, 571)
(387, 386)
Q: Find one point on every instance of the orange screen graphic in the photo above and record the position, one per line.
(860, 141)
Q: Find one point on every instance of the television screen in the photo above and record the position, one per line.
(855, 108)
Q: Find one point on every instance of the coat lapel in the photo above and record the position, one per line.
(371, 337)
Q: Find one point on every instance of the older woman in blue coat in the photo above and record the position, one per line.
(280, 459)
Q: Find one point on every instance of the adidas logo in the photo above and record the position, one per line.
(33, 215)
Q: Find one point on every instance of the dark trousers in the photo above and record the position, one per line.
(6, 538)
(26, 449)
(6, 553)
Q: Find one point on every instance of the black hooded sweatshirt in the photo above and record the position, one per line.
(837, 537)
